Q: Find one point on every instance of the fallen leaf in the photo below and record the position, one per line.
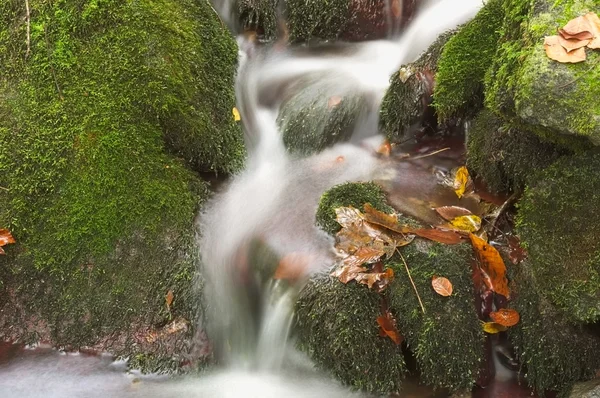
(385, 149)
(469, 223)
(346, 274)
(5, 239)
(387, 327)
(334, 101)
(364, 255)
(594, 21)
(346, 216)
(169, 299)
(388, 221)
(492, 266)
(441, 285)
(350, 239)
(461, 179)
(493, 327)
(438, 235)
(449, 213)
(572, 44)
(577, 28)
(293, 266)
(505, 317)
(236, 114)
(558, 53)
(178, 325)
(381, 279)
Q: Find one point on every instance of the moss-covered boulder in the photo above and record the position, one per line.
(523, 84)
(259, 16)
(505, 157)
(559, 224)
(409, 96)
(337, 327)
(554, 351)
(464, 61)
(446, 340)
(94, 105)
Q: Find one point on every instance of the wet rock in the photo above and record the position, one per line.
(588, 389)
(554, 100)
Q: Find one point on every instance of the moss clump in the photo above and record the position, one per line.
(447, 340)
(558, 223)
(259, 16)
(506, 157)
(310, 123)
(535, 92)
(409, 95)
(308, 19)
(464, 62)
(354, 194)
(555, 352)
(337, 327)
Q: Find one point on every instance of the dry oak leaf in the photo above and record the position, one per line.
(441, 285)
(577, 28)
(449, 213)
(493, 327)
(594, 21)
(505, 317)
(461, 179)
(558, 53)
(387, 327)
(491, 265)
(5, 239)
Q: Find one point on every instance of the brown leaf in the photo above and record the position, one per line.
(594, 21)
(5, 239)
(469, 223)
(293, 266)
(505, 317)
(346, 274)
(346, 216)
(388, 221)
(516, 253)
(572, 44)
(169, 299)
(577, 28)
(364, 255)
(493, 327)
(438, 235)
(441, 285)
(387, 327)
(396, 8)
(385, 149)
(449, 213)
(558, 53)
(382, 279)
(492, 266)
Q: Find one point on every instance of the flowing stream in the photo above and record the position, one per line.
(263, 214)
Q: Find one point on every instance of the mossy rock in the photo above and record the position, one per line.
(354, 194)
(464, 61)
(311, 121)
(505, 157)
(559, 225)
(447, 340)
(410, 93)
(259, 16)
(555, 352)
(337, 327)
(102, 211)
(555, 100)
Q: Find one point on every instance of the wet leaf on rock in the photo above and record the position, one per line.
(388, 221)
(505, 317)
(470, 223)
(577, 28)
(236, 114)
(555, 51)
(594, 21)
(441, 285)
(346, 216)
(438, 235)
(346, 274)
(387, 327)
(461, 180)
(5, 239)
(516, 253)
(572, 44)
(364, 255)
(493, 327)
(491, 265)
(449, 213)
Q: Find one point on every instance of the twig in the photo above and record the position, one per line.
(430, 154)
(6, 189)
(594, 64)
(411, 280)
(507, 203)
(28, 16)
(51, 65)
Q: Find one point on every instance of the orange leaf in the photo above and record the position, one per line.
(572, 44)
(396, 8)
(594, 21)
(438, 235)
(492, 265)
(5, 239)
(505, 317)
(293, 266)
(558, 53)
(450, 212)
(493, 327)
(388, 221)
(382, 279)
(364, 255)
(387, 327)
(385, 149)
(577, 28)
(334, 101)
(346, 274)
(169, 299)
(346, 216)
(442, 286)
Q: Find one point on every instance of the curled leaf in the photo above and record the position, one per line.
(505, 317)
(470, 223)
(387, 327)
(558, 53)
(346, 216)
(594, 21)
(449, 213)
(492, 266)
(493, 327)
(442, 286)
(577, 28)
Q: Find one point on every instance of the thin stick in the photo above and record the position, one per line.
(430, 154)
(6, 189)
(411, 280)
(28, 15)
(51, 65)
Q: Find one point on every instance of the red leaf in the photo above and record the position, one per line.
(387, 327)
(492, 266)
(449, 213)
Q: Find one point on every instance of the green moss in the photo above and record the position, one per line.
(447, 340)
(408, 96)
(308, 19)
(354, 194)
(550, 98)
(506, 157)
(337, 327)
(559, 225)
(464, 62)
(259, 16)
(310, 124)
(554, 352)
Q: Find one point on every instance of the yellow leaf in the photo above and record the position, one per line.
(469, 223)
(236, 114)
(493, 327)
(460, 181)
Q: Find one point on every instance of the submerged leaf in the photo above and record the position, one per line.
(505, 317)
(492, 266)
(493, 327)
(293, 266)
(334, 101)
(387, 327)
(449, 213)
(441, 285)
